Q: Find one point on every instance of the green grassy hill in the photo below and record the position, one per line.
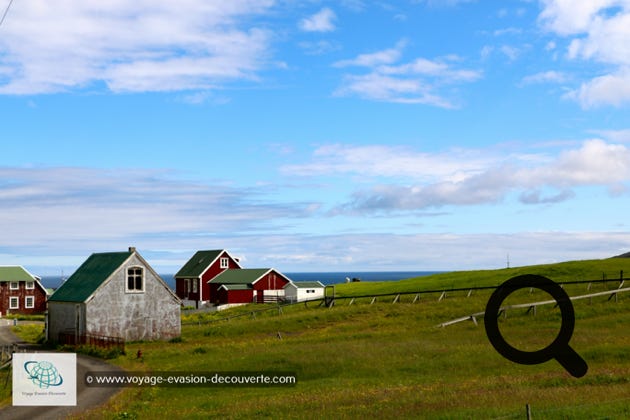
(559, 272)
(386, 360)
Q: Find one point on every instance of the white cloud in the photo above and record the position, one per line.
(74, 205)
(610, 89)
(433, 251)
(377, 58)
(550, 76)
(600, 30)
(391, 162)
(415, 82)
(405, 180)
(137, 46)
(322, 21)
(510, 52)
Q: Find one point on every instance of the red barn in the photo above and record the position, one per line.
(250, 285)
(192, 280)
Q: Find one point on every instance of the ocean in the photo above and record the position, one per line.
(326, 278)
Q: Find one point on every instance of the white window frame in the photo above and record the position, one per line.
(187, 286)
(30, 285)
(194, 285)
(13, 305)
(224, 262)
(26, 304)
(14, 285)
(129, 274)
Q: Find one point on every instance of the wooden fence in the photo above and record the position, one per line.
(70, 338)
(331, 300)
(6, 353)
(531, 307)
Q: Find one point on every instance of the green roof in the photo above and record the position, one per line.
(92, 273)
(239, 276)
(15, 273)
(198, 263)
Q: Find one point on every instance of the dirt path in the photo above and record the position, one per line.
(87, 397)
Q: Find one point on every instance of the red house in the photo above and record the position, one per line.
(260, 285)
(192, 281)
(217, 278)
(21, 292)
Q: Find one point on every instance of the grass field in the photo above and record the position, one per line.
(390, 360)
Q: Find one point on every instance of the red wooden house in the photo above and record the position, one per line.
(217, 278)
(259, 285)
(192, 281)
(20, 292)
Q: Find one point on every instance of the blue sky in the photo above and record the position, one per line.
(313, 135)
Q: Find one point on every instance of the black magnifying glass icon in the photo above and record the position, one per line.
(559, 349)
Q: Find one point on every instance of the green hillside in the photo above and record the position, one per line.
(390, 360)
(559, 272)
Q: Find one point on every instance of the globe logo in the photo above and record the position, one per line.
(43, 374)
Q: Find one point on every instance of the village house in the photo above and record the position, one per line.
(20, 292)
(249, 285)
(300, 291)
(216, 278)
(114, 294)
(192, 281)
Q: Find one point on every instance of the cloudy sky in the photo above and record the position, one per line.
(315, 135)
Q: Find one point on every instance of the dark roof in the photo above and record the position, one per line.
(308, 284)
(92, 273)
(15, 273)
(236, 286)
(198, 263)
(241, 276)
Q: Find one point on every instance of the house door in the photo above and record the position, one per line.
(261, 296)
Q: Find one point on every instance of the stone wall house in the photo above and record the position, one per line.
(115, 294)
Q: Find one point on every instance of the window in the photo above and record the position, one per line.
(14, 285)
(187, 284)
(29, 302)
(194, 285)
(30, 284)
(14, 303)
(135, 279)
(225, 262)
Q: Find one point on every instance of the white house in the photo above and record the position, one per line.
(299, 291)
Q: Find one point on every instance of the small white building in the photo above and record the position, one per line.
(299, 291)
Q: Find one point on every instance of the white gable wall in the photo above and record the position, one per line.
(153, 314)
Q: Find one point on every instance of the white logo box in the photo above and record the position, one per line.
(48, 379)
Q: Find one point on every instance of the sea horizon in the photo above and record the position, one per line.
(325, 277)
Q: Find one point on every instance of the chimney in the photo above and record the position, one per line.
(132, 249)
